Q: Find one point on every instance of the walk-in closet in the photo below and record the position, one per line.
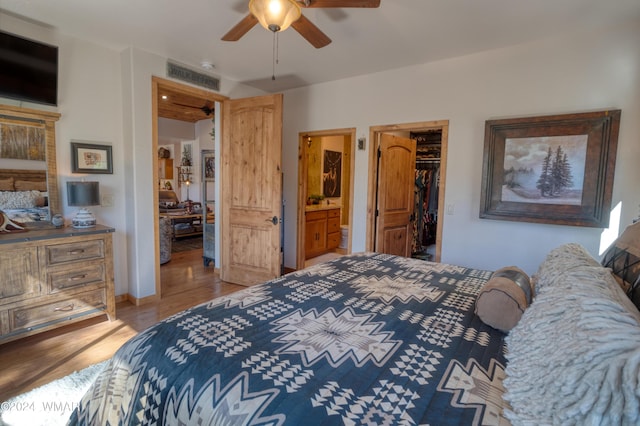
(427, 186)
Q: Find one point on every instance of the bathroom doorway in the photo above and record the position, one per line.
(325, 194)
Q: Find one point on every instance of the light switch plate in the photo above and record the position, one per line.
(107, 200)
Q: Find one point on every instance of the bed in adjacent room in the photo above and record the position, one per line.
(363, 339)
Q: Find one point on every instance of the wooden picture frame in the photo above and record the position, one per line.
(331, 173)
(91, 158)
(556, 169)
(209, 165)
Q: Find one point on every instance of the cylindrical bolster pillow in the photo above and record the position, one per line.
(503, 299)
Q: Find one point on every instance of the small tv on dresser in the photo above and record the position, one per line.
(28, 70)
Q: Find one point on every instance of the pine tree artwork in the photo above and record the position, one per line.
(545, 170)
(556, 174)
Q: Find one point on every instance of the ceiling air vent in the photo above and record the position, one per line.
(185, 74)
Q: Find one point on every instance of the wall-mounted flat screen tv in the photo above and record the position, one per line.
(28, 70)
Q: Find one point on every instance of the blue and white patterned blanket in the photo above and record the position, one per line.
(364, 339)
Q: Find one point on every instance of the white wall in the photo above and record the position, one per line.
(583, 72)
(105, 97)
(90, 104)
(138, 68)
(171, 131)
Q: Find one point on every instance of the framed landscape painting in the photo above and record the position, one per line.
(555, 169)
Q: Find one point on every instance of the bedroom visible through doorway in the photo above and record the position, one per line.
(168, 116)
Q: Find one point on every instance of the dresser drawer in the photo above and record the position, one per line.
(333, 240)
(18, 273)
(333, 213)
(33, 316)
(4, 322)
(333, 225)
(61, 279)
(82, 250)
(318, 215)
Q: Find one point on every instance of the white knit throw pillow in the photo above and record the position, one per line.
(574, 357)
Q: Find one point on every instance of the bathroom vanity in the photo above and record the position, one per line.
(322, 229)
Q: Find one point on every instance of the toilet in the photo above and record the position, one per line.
(344, 236)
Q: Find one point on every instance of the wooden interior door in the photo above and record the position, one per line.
(251, 189)
(395, 200)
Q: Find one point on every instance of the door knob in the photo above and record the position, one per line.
(273, 220)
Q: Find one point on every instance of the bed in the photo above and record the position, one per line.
(23, 195)
(363, 339)
(377, 339)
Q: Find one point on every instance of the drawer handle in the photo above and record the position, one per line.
(67, 308)
(77, 251)
(78, 277)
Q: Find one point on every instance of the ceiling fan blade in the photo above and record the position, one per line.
(241, 28)
(340, 3)
(310, 32)
(205, 108)
(185, 105)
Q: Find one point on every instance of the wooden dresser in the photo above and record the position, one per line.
(53, 277)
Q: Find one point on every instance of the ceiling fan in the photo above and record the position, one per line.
(205, 108)
(260, 11)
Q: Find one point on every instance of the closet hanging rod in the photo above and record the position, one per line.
(430, 165)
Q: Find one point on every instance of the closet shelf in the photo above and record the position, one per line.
(427, 163)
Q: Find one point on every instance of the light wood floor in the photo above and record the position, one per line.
(322, 258)
(36, 360)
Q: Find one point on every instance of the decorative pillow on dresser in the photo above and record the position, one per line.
(574, 357)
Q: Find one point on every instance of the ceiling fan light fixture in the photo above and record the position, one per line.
(275, 15)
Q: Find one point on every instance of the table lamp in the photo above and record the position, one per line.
(83, 194)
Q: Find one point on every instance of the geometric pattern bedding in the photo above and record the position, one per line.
(366, 338)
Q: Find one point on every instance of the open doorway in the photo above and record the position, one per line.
(415, 131)
(325, 194)
(187, 105)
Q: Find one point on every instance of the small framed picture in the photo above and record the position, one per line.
(209, 165)
(91, 158)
